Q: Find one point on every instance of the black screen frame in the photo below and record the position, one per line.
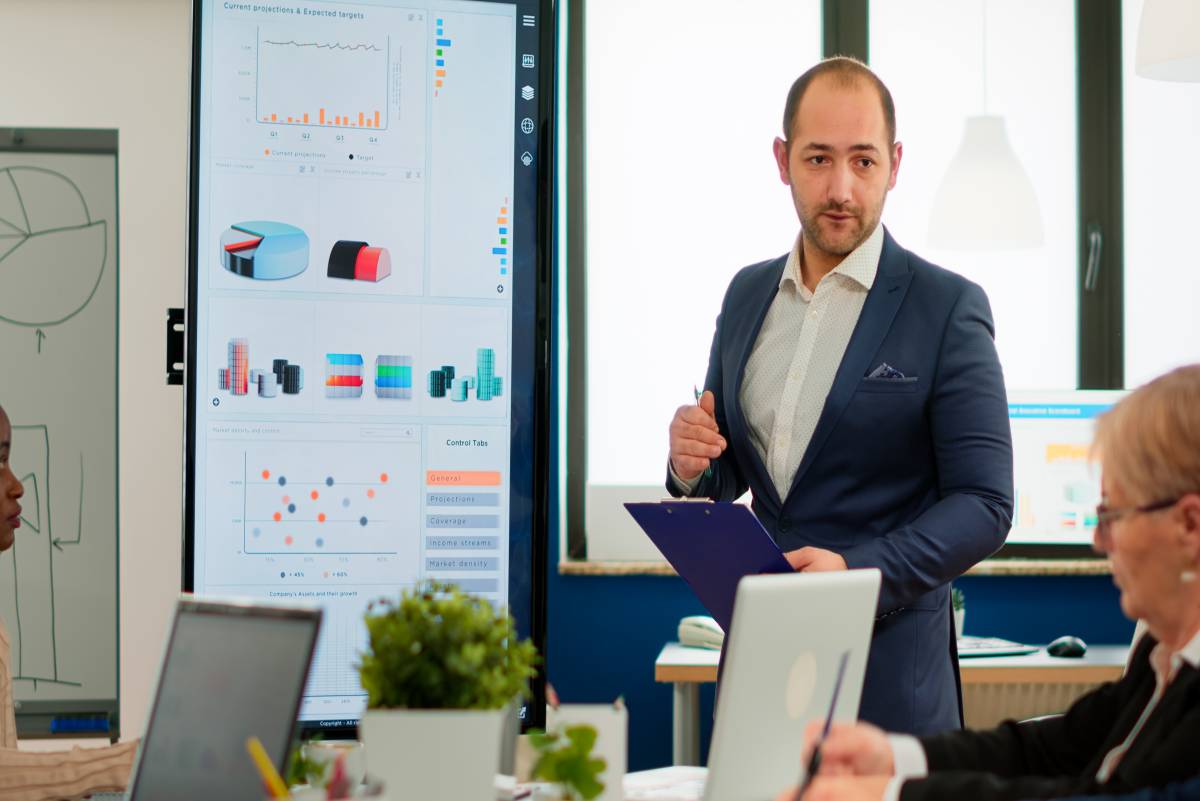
(532, 555)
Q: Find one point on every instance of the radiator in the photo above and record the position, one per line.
(987, 703)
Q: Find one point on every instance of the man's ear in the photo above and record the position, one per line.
(897, 153)
(780, 149)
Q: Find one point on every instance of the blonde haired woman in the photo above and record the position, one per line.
(27, 776)
(1142, 731)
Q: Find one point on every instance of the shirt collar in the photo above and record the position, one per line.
(1191, 651)
(1167, 664)
(860, 265)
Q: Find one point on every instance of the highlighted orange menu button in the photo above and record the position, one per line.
(462, 478)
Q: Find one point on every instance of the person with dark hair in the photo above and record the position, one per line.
(43, 776)
(1142, 731)
(855, 389)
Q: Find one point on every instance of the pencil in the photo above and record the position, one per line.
(266, 769)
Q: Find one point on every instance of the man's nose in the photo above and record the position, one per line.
(840, 184)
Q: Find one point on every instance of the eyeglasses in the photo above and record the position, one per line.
(1107, 515)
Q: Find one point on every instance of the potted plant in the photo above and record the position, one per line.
(565, 760)
(959, 602)
(440, 669)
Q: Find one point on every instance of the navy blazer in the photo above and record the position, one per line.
(912, 474)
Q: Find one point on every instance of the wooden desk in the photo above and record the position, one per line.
(993, 687)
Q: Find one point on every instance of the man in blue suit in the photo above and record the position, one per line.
(856, 390)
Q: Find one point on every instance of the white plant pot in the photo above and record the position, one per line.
(434, 754)
(960, 618)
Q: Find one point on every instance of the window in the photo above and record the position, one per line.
(1162, 282)
(944, 62)
(683, 102)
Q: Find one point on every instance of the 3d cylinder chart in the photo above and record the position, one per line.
(446, 381)
(358, 261)
(264, 250)
(240, 378)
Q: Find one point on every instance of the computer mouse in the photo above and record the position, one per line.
(1068, 646)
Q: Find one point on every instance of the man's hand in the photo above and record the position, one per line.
(695, 438)
(851, 749)
(841, 788)
(812, 560)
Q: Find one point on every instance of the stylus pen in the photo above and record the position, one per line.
(814, 761)
(696, 391)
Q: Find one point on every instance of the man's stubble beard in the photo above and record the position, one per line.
(813, 232)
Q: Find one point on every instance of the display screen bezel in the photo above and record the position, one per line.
(531, 322)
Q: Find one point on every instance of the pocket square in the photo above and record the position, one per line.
(885, 370)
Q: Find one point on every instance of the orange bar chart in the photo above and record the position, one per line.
(321, 119)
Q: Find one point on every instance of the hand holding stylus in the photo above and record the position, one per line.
(695, 438)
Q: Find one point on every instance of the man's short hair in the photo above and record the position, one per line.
(847, 72)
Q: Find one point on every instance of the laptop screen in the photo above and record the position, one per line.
(230, 672)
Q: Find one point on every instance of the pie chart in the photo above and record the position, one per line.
(52, 253)
(264, 250)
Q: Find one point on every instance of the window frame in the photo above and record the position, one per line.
(845, 29)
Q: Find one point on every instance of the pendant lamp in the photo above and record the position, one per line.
(1168, 43)
(986, 200)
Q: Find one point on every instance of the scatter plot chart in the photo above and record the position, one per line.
(306, 511)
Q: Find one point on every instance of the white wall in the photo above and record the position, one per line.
(125, 64)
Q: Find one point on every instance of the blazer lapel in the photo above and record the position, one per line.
(760, 302)
(878, 312)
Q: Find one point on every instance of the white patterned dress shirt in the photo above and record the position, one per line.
(796, 357)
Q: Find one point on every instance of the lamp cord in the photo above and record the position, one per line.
(983, 49)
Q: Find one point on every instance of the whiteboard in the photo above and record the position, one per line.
(58, 383)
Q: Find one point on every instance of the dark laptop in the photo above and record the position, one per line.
(230, 671)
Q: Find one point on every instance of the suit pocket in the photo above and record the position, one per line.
(906, 384)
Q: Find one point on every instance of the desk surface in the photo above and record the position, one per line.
(680, 663)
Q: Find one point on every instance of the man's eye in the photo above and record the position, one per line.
(865, 163)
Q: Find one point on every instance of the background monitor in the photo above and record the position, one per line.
(1057, 485)
(368, 302)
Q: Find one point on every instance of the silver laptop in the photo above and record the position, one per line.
(230, 671)
(788, 635)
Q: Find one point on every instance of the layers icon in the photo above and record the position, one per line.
(358, 261)
(343, 375)
(264, 250)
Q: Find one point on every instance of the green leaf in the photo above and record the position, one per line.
(435, 647)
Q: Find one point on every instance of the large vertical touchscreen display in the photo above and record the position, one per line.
(364, 394)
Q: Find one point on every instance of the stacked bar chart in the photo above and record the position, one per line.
(393, 377)
(343, 375)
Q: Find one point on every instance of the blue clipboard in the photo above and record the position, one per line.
(711, 545)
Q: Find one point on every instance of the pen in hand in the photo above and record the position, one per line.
(696, 391)
(814, 761)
